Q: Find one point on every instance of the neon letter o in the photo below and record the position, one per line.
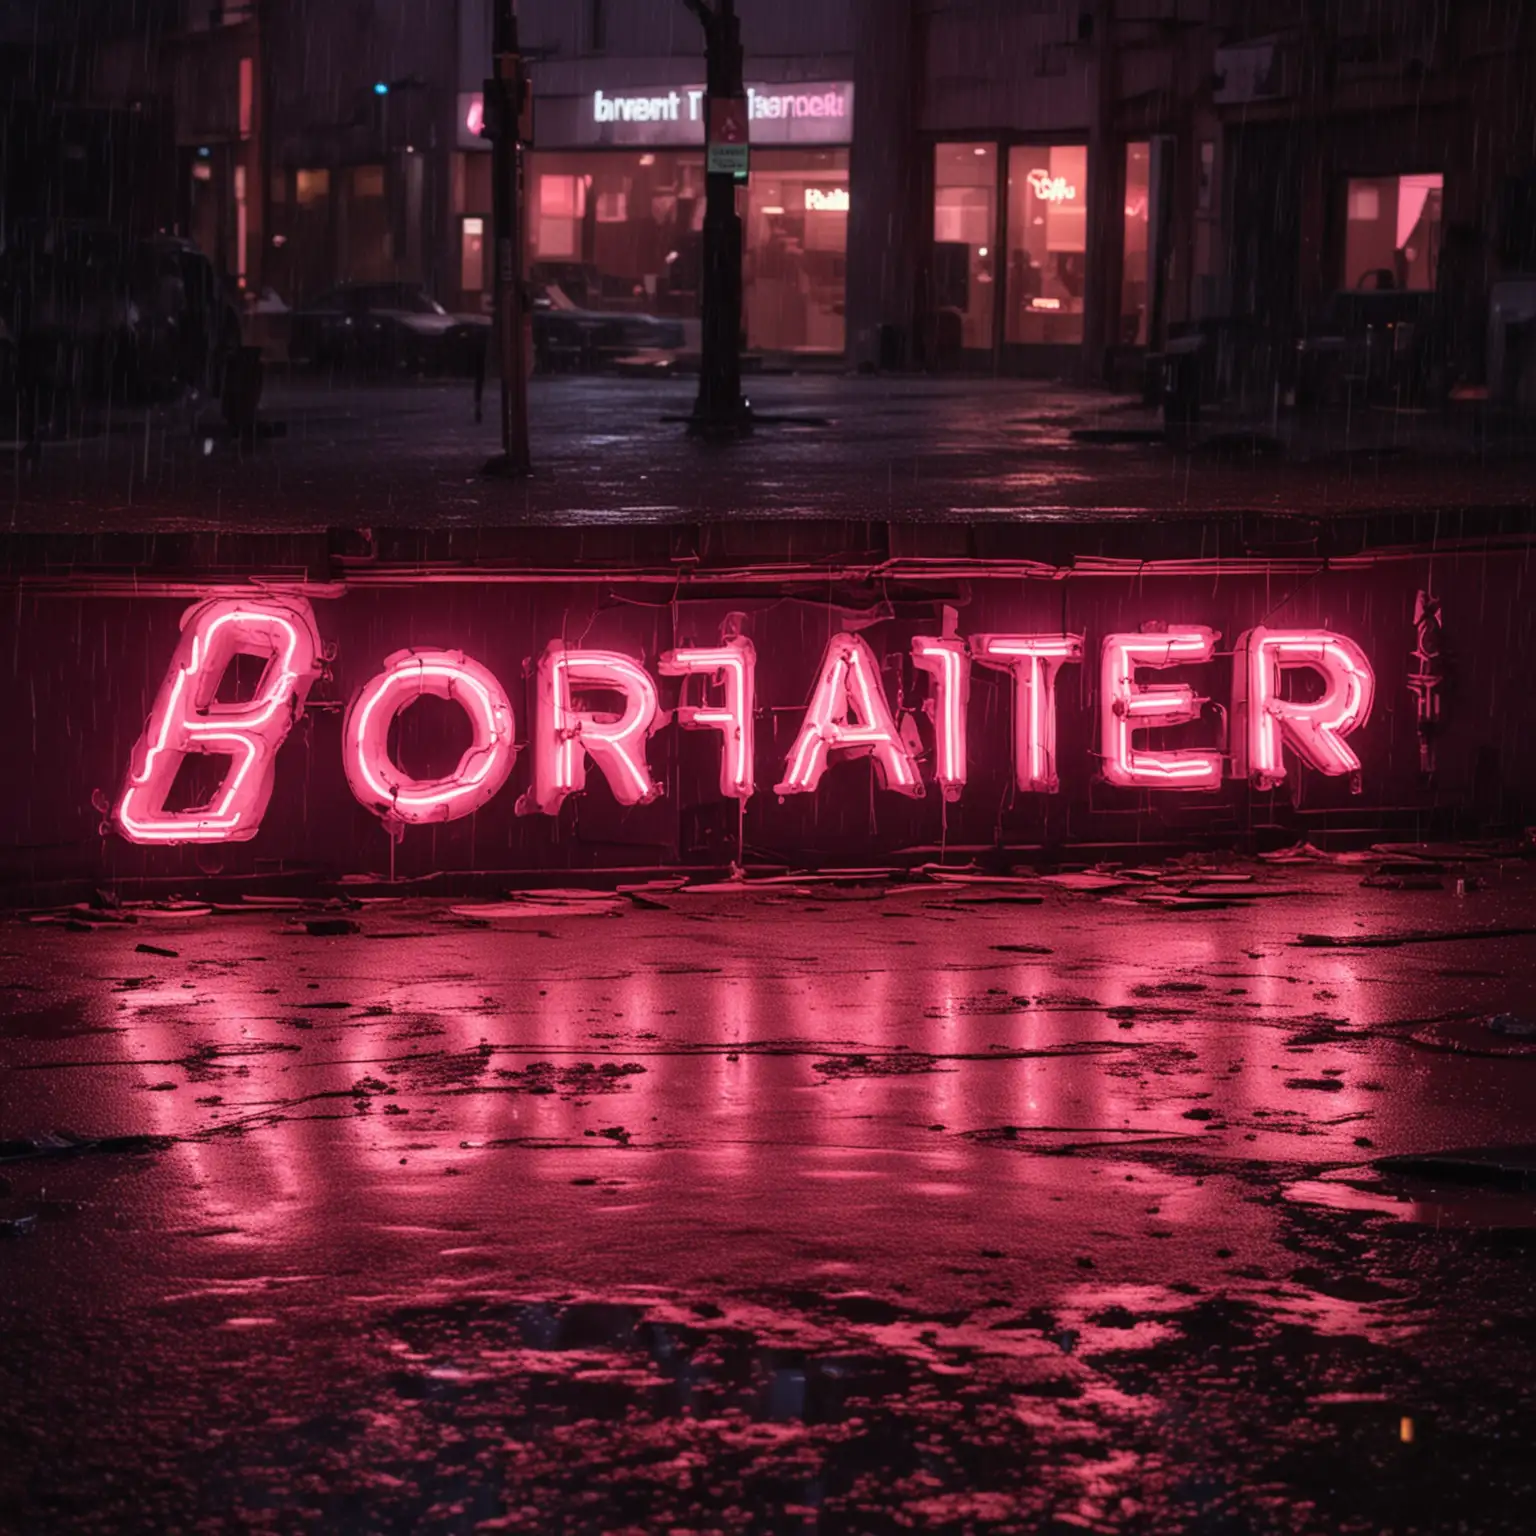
(377, 780)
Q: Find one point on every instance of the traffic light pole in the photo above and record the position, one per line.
(720, 411)
(503, 104)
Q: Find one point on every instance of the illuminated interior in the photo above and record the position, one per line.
(964, 243)
(1047, 242)
(623, 231)
(1392, 231)
(1135, 274)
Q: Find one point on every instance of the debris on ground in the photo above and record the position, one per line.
(1512, 1167)
(1411, 936)
(67, 1144)
(331, 927)
(1512, 1025)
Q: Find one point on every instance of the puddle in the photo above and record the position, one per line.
(1364, 1191)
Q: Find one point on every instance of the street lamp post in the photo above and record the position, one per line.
(720, 411)
(505, 95)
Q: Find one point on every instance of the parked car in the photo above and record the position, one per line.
(91, 316)
(1374, 341)
(187, 325)
(384, 327)
(566, 336)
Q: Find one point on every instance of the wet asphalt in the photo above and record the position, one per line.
(609, 450)
(835, 1208)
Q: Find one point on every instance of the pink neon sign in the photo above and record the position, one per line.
(733, 663)
(849, 715)
(1127, 706)
(188, 717)
(948, 663)
(1034, 661)
(565, 736)
(1264, 720)
(603, 706)
(380, 784)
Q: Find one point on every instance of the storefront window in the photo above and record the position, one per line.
(367, 240)
(561, 208)
(1047, 242)
(1133, 268)
(964, 243)
(472, 255)
(1392, 234)
(617, 230)
(797, 242)
(311, 187)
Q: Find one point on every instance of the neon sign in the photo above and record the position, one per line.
(1315, 731)
(1034, 661)
(1295, 698)
(565, 735)
(484, 767)
(1051, 189)
(1127, 707)
(827, 200)
(849, 685)
(948, 663)
(188, 717)
(733, 664)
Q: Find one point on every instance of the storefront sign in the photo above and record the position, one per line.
(826, 200)
(594, 709)
(818, 112)
(1051, 189)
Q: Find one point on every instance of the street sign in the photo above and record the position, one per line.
(729, 154)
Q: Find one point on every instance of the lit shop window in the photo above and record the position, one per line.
(1047, 242)
(472, 255)
(311, 187)
(1392, 233)
(623, 231)
(1134, 271)
(242, 226)
(796, 245)
(964, 243)
(619, 229)
(247, 88)
(562, 206)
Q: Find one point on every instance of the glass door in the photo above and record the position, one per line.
(1047, 243)
(964, 245)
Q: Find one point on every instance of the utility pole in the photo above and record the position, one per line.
(720, 411)
(505, 97)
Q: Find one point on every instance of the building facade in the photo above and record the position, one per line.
(615, 177)
(1039, 186)
(1064, 185)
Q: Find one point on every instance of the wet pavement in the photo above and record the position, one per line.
(614, 450)
(1051, 1206)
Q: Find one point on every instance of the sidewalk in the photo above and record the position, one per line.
(612, 450)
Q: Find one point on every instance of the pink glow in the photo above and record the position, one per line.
(1034, 661)
(616, 743)
(849, 679)
(378, 782)
(1264, 723)
(733, 664)
(1126, 706)
(948, 663)
(188, 718)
